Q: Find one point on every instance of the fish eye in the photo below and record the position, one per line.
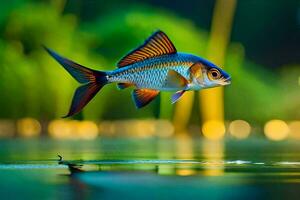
(214, 74)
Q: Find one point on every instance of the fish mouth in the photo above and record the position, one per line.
(226, 81)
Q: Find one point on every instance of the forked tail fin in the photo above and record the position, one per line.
(92, 81)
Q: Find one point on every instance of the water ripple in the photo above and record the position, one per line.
(196, 163)
(32, 166)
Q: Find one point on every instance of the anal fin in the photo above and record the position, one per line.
(142, 97)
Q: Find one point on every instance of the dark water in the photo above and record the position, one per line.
(182, 168)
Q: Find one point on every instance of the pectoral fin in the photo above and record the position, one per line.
(142, 97)
(177, 95)
(175, 80)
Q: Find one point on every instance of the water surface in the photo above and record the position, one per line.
(150, 169)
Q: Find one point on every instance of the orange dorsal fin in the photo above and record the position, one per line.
(143, 96)
(156, 45)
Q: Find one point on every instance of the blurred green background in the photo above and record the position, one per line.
(262, 57)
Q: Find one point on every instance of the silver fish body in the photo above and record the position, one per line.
(152, 73)
(152, 67)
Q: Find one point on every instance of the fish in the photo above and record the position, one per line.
(150, 68)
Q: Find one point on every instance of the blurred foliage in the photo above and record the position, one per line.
(30, 78)
(33, 84)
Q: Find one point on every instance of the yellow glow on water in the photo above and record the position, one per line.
(213, 153)
(214, 172)
(185, 172)
(28, 127)
(87, 130)
(165, 151)
(213, 130)
(184, 151)
(184, 146)
(294, 129)
(276, 130)
(239, 129)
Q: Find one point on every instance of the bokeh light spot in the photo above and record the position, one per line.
(213, 130)
(239, 129)
(276, 130)
(294, 129)
(87, 130)
(28, 127)
(59, 129)
(73, 129)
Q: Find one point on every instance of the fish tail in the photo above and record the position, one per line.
(92, 81)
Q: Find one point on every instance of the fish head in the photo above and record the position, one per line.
(215, 76)
(206, 75)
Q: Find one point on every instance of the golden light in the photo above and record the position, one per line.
(59, 129)
(294, 129)
(28, 127)
(212, 100)
(184, 151)
(87, 130)
(130, 128)
(164, 128)
(107, 128)
(143, 128)
(239, 129)
(213, 155)
(73, 129)
(74, 126)
(137, 128)
(182, 111)
(7, 128)
(213, 130)
(276, 130)
(185, 172)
